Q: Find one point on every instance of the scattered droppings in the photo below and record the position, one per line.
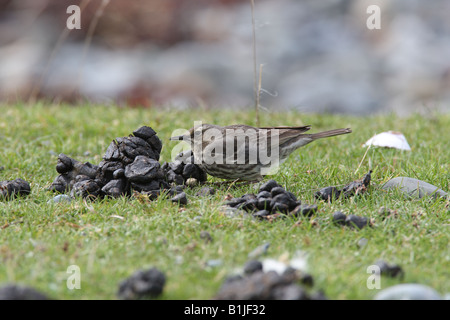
(328, 194)
(339, 217)
(252, 266)
(352, 189)
(304, 210)
(259, 281)
(17, 292)
(355, 221)
(390, 270)
(261, 286)
(14, 188)
(143, 284)
(352, 221)
(271, 200)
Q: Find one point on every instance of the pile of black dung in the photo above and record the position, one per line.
(143, 284)
(353, 188)
(129, 164)
(270, 200)
(14, 188)
(352, 220)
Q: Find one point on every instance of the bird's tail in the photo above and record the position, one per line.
(330, 133)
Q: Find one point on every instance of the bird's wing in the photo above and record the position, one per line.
(286, 133)
(297, 129)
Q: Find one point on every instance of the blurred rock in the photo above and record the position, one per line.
(317, 57)
(408, 291)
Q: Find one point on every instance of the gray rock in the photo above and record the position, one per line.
(413, 187)
(408, 291)
(362, 242)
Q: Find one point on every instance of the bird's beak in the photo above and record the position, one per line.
(177, 138)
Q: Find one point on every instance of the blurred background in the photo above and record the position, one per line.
(317, 56)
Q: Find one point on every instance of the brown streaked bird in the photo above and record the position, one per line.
(242, 152)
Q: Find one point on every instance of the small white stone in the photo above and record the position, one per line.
(389, 139)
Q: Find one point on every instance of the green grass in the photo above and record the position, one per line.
(38, 241)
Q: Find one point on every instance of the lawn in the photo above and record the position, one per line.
(111, 238)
